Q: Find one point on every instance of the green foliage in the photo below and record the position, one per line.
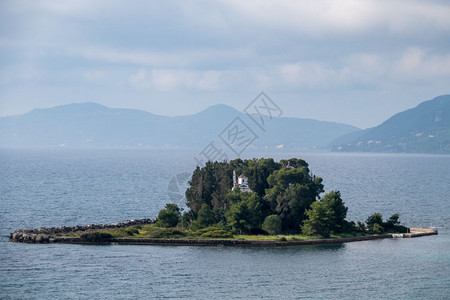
(375, 224)
(258, 170)
(195, 225)
(217, 233)
(376, 218)
(272, 225)
(245, 215)
(284, 193)
(319, 220)
(292, 190)
(167, 233)
(327, 216)
(185, 219)
(400, 229)
(169, 216)
(377, 228)
(205, 216)
(334, 201)
(361, 226)
(132, 231)
(209, 185)
(348, 227)
(392, 222)
(96, 237)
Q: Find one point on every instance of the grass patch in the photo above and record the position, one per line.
(168, 233)
(213, 232)
(279, 237)
(96, 237)
(217, 234)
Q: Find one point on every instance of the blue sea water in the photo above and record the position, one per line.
(69, 187)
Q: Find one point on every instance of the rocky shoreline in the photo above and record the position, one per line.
(48, 235)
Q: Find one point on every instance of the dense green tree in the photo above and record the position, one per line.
(327, 216)
(334, 201)
(294, 163)
(392, 221)
(361, 226)
(285, 195)
(287, 189)
(272, 224)
(292, 205)
(205, 216)
(169, 216)
(376, 218)
(292, 190)
(375, 224)
(194, 194)
(245, 216)
(258, 170)
(223, 183)
(377, 228)
(209, 185)
(186, 219)
(319, 220)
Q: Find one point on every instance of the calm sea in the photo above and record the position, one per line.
(69, 187)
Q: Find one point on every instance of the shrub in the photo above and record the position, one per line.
(400, 229)
(361, 226)
(185, 220)
(376, 218)
(272, 224)
(218, 233)
(96, 237)
(167, 233)
(377, 228)
(169, 216)
(195, 226)
(392, 222)
(349, 227)
(132, 231)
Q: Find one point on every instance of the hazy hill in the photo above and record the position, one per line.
(423, 129)
(95, 125)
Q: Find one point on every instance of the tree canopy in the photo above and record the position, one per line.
(284, 198)
(285, 189)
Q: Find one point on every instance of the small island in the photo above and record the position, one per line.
(257, 202)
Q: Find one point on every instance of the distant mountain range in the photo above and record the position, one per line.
(423, 129)
(96, 126)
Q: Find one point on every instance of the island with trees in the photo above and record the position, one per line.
(269, 203)
(280, 198)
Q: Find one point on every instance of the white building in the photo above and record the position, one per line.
(241, 182)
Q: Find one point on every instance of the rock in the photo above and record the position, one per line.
(44, 235)
(38, 238)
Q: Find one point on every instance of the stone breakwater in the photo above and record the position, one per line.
(47, 235)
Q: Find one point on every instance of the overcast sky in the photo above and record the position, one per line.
(356, 62)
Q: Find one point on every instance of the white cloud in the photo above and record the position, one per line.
(363, 68)
(174, 48)
(417, 64)
(318, 18)
(175, 79)
(96, 76)
(307, 74)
